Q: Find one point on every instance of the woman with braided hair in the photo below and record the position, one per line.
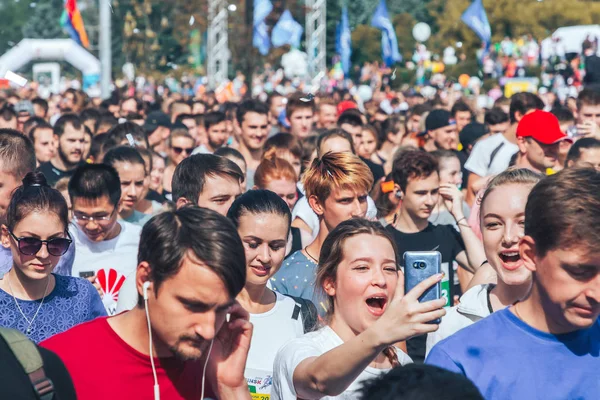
(367, 313)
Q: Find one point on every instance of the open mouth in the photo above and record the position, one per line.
(510, 259)
(261, 271)
(376, 305)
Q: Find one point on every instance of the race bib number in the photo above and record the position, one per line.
(259, 383)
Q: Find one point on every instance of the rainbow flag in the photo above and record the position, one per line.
(71, 21)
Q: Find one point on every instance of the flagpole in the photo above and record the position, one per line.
(105, 47)
(249, 36)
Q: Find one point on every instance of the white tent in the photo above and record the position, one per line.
(49, 50)
(570, 39)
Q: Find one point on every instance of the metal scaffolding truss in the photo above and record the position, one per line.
(218, 43)
(315, 36)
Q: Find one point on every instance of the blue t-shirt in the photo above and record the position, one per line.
(508, 359)
(297, 278)
(73, 301)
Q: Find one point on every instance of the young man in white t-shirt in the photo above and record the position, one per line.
(106, 248)
(492, 155)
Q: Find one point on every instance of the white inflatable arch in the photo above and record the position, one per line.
(49, 49)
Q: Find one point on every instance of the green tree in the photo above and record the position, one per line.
(12, 18)
(44, 22)
(366, 44)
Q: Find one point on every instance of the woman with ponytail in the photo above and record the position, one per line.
(367, 314)
(33, 299)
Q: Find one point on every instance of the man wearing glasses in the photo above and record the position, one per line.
(106, 248)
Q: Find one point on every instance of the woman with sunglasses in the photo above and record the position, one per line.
(33, 300)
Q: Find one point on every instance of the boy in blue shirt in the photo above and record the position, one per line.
(546, 346)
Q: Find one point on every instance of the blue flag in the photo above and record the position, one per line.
(476, 19)
(343, 41)
(261, 39)
(287, 31)
(389, 42)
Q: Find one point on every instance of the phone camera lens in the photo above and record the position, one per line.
(416, 265)
(422, 265)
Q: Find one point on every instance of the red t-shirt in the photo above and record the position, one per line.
(104, 367)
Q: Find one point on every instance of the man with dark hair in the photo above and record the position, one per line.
(190, 268)
(417, 184)
(497, 120)
(300, 115)
(547, 345)
(44, 143)
(276, 103)
(8, 117)
(208, 181)
(493, 154)
(462, 114)
(588, 113)
(215, 124)
(584, 153)
(158, 128)
(40, 107)
(69, 135)
(252, 123)
(414, 117)
(106, 247)
(420, 382)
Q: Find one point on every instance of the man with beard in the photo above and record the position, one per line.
(69, 133)
(186, 325)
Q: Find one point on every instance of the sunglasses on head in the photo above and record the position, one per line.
(179, 150)
(30, 246)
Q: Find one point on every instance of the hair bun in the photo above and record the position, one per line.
(35, 178)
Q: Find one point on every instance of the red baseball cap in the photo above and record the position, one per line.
(542, 126)
(346, 105)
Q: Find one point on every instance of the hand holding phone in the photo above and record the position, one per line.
(406, 316)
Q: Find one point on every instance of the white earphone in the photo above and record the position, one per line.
(145, 288)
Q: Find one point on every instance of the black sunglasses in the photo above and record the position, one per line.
(30, 246)
(179, 150)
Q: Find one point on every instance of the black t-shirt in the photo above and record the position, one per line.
(155, 196)
(15, 384)
(376, 170)
(54, 174)
(442, 238)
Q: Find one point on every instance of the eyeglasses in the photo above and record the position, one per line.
(179, 150)
(30, 246)
(87, 218)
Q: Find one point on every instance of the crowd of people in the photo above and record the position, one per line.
(178, 247)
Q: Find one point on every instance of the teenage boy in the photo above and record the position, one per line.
(547, 345)
(588, 113)
(492, 155)
(106, 248)
(538, 138)
(215, 123)
(186, 326)
(252, 118)
(300, 115)
(337, 186)
(585, 153)
(326, 113)
(462, 114)
(417, 184)
(69, 133)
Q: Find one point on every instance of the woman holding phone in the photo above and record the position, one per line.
(502, 217)
(33, 300)
(367, 313)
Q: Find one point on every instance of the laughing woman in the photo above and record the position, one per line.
(33, 300)
(367, 314)
(263, 222)
(502, 217)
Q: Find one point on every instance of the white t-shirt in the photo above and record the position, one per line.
(272, 330)
(111, 260)
(482, 151)
(303, 211)
(315, 344)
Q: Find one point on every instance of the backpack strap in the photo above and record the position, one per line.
(494, 153)
(28, 355)
(307, 310)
